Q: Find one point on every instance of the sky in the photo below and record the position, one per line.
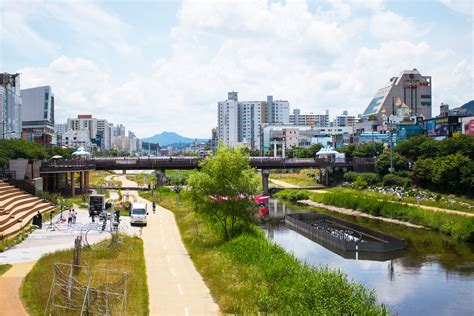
(164, 65)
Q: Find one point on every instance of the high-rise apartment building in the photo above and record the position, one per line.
(317, 120)
(240, 122)
(345, 120)
(227, 120)
(38, 115)
(411, 87)
(11, 107)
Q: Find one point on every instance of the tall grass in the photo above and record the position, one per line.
(126, 256)
(250, 275)
(457, 226)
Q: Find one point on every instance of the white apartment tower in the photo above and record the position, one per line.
(240, 122)
(227, 120)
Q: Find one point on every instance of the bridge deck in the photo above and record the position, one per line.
(157, 163)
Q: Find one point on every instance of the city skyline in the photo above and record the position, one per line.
(165, 66)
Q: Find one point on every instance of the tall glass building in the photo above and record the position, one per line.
(11, 107)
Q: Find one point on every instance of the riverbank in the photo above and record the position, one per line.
(429, 258)
(250, 275)
(456, 225)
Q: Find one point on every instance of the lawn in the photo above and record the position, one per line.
(249, 275)
(304, 178)
(450, 202)
(4, 268)
(126, 256)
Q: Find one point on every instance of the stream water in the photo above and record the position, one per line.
(434, 275)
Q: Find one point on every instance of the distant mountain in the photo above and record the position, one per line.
(469, 106)
(168, 138)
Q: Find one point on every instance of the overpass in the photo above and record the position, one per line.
(52, 168)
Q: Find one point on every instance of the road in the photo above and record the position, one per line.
(174, 285)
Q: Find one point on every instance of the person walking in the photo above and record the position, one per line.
(69, 218)
(154, 207)
(74, 216)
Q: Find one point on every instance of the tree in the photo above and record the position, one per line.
(222, 191)
(368, 150)
(382, 165)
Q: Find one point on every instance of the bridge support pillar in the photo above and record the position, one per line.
(86, 180)
(73, 188)
(265, 176)
(81, 182)
(160, 175)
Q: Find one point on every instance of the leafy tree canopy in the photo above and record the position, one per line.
(226, 175)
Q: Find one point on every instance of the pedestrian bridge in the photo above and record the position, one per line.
(180, 162)
(60, 173)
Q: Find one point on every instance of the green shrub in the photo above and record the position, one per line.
(392, 180)
(369, 177)
(360, 183)
(293, 195)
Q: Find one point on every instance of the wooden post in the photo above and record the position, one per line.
(73, 189)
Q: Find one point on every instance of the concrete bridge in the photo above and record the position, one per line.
(58, 172)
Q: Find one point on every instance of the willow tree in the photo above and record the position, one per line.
(222, 191)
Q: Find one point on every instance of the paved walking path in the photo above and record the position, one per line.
(42, 241)
(10, 303)
(174, 285)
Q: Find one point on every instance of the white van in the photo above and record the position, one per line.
(138, 214)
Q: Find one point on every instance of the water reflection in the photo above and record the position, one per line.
(434, 275)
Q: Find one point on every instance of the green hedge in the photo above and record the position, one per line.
(392, 180)
(369, 177)
(458, 226)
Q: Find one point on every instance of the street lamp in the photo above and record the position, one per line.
(390, 135)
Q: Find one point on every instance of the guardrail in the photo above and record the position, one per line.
(300, 222)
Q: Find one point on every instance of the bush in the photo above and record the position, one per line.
(369, 177)
(293, 195)
(392, 180)
(360, 183)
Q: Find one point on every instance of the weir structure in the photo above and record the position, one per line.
(345, 238)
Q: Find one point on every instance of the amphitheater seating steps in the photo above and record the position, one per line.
(18, 208)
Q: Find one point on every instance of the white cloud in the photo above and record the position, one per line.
(256, 49)
(86, 19)
(461, 6)
(391, 26)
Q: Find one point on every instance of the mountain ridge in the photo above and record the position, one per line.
(166, 138)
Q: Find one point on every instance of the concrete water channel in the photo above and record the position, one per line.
(433, 275)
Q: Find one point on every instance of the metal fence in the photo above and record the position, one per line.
(301, 222)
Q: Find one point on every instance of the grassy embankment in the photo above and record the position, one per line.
(304, 178)
(4, 268)
(125, 256)
(457, 226)
(420, 247)
(250, 275)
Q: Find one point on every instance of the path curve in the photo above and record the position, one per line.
(174, 285)
(10, 282)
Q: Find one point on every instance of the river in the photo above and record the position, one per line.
(433, 276)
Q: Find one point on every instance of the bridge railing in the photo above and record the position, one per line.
(81, 164)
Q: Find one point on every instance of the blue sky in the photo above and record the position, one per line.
(164, 65)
